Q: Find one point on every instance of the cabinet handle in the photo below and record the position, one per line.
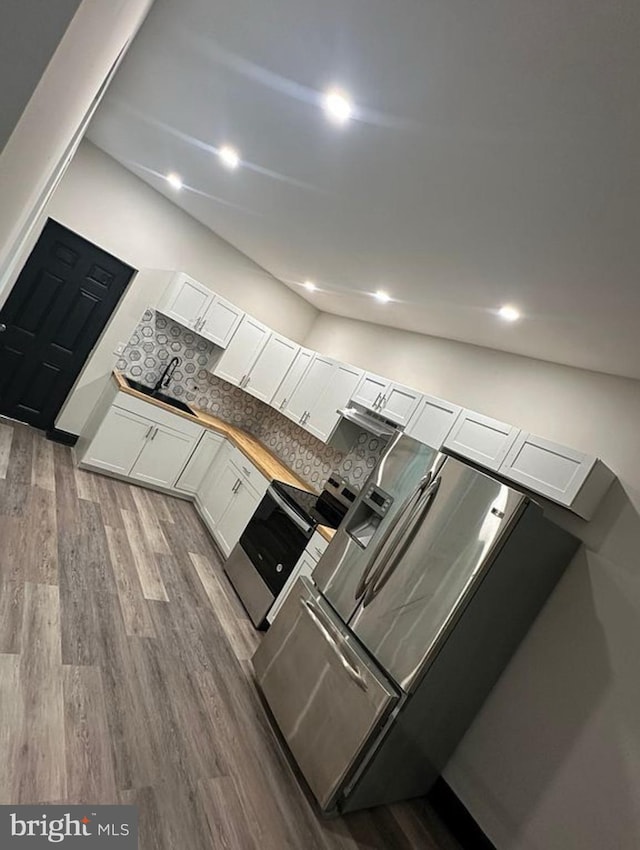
(283, 403)
(149, 430)
(383, 401)
(236, 486)
(246, 471)
(246, 380)
(241, 384)
(301, 420)
(306, 417)
(155, 431)
(319, 551)
(375, 403)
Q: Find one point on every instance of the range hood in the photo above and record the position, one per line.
(375, 425)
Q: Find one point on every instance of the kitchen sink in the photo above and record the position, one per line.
(167, 399)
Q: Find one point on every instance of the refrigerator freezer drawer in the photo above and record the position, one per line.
(326, 696)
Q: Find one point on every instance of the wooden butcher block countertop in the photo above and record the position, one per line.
(259, 455)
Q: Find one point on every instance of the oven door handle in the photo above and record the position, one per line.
(293, 516)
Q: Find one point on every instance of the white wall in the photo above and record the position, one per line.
(28, 39)
(105, 203)
(552, 762)
(48, 131)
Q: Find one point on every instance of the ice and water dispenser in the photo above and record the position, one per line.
(372, 508)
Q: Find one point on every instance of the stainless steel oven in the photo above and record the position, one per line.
(277, 534)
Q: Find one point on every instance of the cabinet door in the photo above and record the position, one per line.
(163, 456)
(291, 380)
(482, 439)
(271, 366)
(220, 322)
(432, 421)
(324, 417)
(217, 492)
(198, 464)
(556, 471)
(370, 391)
(235, 363)
(235, 519)
(312, 384)
(118, 441)
(399, 403)
(185, 300)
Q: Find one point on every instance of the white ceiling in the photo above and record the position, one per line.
(494, 158)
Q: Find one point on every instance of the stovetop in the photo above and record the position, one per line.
(327, 509)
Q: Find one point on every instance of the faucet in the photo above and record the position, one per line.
(167, 374)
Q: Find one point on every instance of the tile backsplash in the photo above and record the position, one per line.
(157, 339)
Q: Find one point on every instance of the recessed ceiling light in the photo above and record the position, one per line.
(229, 156)
(337, 106)
(508, 313)
(382, 296)
(174, 180)
(310, 285)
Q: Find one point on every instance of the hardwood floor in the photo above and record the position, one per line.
(125, 675)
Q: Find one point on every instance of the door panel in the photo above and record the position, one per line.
(220, 321)
(312, 384)
(291, 380)
(399, 403)
(337, 393)
(326, 696)
(271, 366)
(420, 592)
(370, 390)
(163, 456)
(238, 358)
(236, 517)
(54, 315)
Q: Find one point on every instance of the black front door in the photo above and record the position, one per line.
(51, 320)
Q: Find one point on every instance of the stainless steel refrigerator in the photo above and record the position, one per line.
(374, 668)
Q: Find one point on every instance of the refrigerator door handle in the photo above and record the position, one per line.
(410, 505)
(387, 569)
(334, 642)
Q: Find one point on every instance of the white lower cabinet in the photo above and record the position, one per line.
(152, 448)
(163, 455)
(196, 467)
(304, 567)
(229, 494)
(118, 441)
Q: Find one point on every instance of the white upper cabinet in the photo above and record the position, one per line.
(483, 440)
(399, 403)
(185, 300)
(370, 390)
(291, 379)
(273, 363)
(573, 479)
(432, 420)
(235, 363)
(322, 415)
(394, 401)
(220, 321)
(195, 306)
(312, 384)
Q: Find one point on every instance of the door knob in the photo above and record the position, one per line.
(2, 328)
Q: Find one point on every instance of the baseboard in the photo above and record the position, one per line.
(451, 810)
(63, 437)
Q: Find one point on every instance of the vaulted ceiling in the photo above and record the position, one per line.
(492, 158)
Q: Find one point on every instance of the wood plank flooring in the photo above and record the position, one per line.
(125, 674)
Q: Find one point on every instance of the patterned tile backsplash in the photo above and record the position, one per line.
(157, 339)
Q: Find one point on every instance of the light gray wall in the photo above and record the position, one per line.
(552, 762)
(105, 203)
(29, 35)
